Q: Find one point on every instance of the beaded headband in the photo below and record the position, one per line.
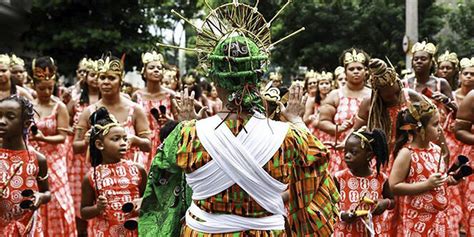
(466, 62)
(423, 46)
(16, 61)
(351, 57)
(108, 64)
(449, 57)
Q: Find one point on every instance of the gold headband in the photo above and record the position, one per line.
(381, 75)
(311, 74)
(5, 59)
(110, 65)
(339, 70)
(16, 61)
(153, 56)
(46, 74)
(466, 62)
(354, 57)
(423, 46)
(363, 139)
(83, 63)
(106, 128)
(275, 76)
(325, 76)
(449, 57)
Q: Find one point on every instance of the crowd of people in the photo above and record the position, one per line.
(358, 151)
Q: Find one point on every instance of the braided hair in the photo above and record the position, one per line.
(99, 117)
(377, 141)
(27, 111)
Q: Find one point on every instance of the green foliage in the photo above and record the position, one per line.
(461, 37)
(69, 30)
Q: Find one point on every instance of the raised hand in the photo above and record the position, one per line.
(185, 107)
(294, 109)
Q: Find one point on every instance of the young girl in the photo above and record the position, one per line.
(418, 172)
(21, 170)
(359, 184)
(113, 182)
(322, 86)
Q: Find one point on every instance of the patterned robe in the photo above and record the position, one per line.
(119, 183)
(301, 162)
(15, 221)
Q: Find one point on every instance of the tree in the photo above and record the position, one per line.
(70, 30)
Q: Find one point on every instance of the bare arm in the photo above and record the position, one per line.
(44, 195)
(308, 111)
(327, 112)
(465, 119)
(362, 117)
(70, 110)
(23, 92)
(89, 209)
(142, 139)
(400, 170)
(143, 182)
(80, 140)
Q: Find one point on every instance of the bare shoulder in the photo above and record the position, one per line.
(332, 97)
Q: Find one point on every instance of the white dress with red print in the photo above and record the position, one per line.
(148, 105)
(119, 183)
(424, 214)
(58, 214)
(346, 110)
(352, 190)
(15, 221)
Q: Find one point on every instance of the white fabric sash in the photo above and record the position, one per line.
(225, 223)
(240, 160)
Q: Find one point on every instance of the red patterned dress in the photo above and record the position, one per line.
(58, 214)
(352, 190)
(455, 209)
(467, 193)
(77, 165)
(154, 126)
(424, 214)
(119, 183)
(15, 221)
(346, 110)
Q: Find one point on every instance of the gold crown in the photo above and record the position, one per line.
(40, 74)
(381, 75)
(420, 108)
(423, 46)
(108, 64)
(311, 74)
(91, 65)
(152, 57)
(339, 70)
(14, 60)
(354, 57)
(275, 76)
(171, 72)
(449, 57)
(466, 62)
(5, 59)
(325, 76)
(84, 63)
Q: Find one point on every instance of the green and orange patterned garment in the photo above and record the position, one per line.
(300, 162)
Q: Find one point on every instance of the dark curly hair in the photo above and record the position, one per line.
(26, 107)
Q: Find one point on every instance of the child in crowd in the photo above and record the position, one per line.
(364, 191)
(113, 183)
(23, 172)
(419, 173)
